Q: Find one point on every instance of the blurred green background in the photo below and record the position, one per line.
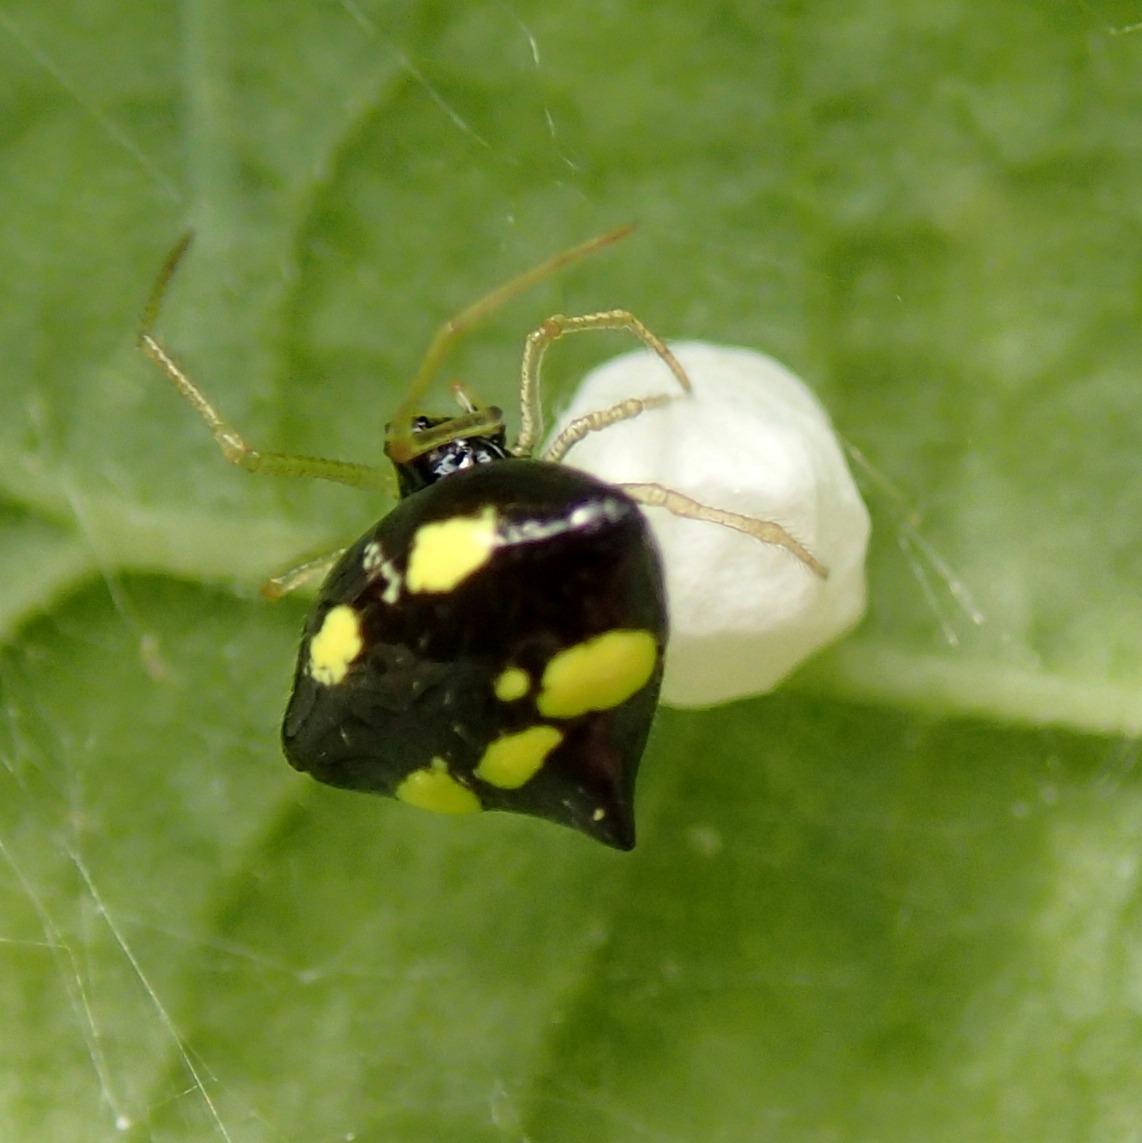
(899, 900)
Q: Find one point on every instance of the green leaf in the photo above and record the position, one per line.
(900, 900)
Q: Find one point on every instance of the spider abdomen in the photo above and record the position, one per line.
(494, 642)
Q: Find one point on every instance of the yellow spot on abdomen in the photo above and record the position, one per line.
(512, 760)
(513, 684)
(446, 552)
(433, 788)
(598, 674)
(336, 645)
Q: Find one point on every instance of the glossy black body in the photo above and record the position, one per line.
(450, 458)
(578, 561)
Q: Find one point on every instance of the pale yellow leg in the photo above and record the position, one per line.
(600, 419)
(301, 576)
(555, 327)
(230, 442)
(452, 330)
(768, 532)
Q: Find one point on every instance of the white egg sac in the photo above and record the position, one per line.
(750, 439)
